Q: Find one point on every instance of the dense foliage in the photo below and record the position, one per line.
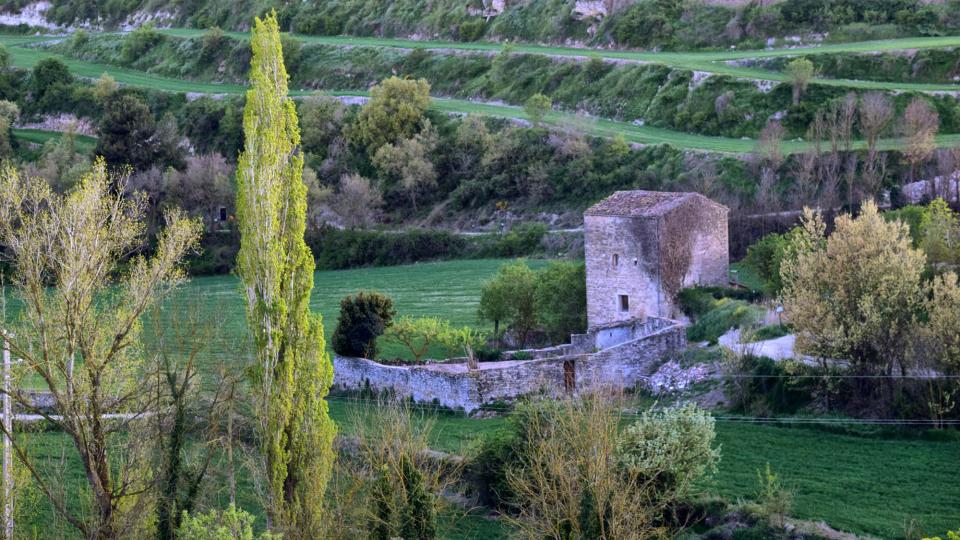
(277, 269)
(635, 23)
(363, 318)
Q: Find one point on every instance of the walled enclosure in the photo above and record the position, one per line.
(629, 354)
(642, 247)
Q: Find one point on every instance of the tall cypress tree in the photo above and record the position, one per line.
(276, 267)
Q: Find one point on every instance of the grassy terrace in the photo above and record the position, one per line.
(39, 136)
(712, 62)
(25, 56)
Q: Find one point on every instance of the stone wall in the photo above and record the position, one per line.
(559, 370)
(648, 259)
(620, 255)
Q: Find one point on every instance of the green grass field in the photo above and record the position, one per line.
(85, 143)
(25, 56)
(449, 290)
(865, 485)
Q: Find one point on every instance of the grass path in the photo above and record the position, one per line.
(710, 61)
(25, 56)
(85, 143)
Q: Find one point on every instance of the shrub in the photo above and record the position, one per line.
(537, 106)
(568, 482)
(673, 448)
(336, 249)
(772, 331)
(524, 239)
(764, 387)
(138, 43)
(417, 335)
(230, 524)
(472, 30)
(774, 500)
(363, 318)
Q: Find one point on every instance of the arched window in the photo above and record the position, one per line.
(616, 259)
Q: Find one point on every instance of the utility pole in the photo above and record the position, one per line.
(7, 445)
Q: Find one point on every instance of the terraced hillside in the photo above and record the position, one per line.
(26, 52)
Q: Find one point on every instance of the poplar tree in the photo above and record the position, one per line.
(276, 266)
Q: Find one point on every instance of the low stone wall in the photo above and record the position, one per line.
(561, 371)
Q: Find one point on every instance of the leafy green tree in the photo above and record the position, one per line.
(363, 318)
(854, 296)
(276, 267)
(418, 334)
(395, 112)
(561, 299)
(940, 238)
(128, 135)
(50, 84)
(537, 107)
(407, 166)
(800, 72)
(510, 298)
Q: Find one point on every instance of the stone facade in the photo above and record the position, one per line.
(642, 247)
(619, 357)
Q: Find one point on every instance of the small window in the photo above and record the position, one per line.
(616, 259)
(223, 213)
(624, 303)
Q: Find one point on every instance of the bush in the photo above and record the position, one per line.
(336, 249)
(765, 257)
(762, 386)
(363, 318)
(138, 43)
(472, 30)
(724, 315)
(230, 524)
(524, 239)
(673, 448)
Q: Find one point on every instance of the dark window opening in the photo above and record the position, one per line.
(569, 376)
(223, 213)
(624, 303)
(616, 259)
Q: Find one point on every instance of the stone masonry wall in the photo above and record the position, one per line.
(632, 242)
(648, 259)
(453, 385)
(707, 242)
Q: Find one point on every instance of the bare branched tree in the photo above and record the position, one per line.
(83, 293)
(920, 126)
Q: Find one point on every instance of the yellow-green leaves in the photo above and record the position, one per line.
(276, 267)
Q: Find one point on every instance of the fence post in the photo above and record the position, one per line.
(7, 443)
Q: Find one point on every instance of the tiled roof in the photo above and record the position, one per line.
(639, 203)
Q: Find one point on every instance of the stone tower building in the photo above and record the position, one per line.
(642, 247)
